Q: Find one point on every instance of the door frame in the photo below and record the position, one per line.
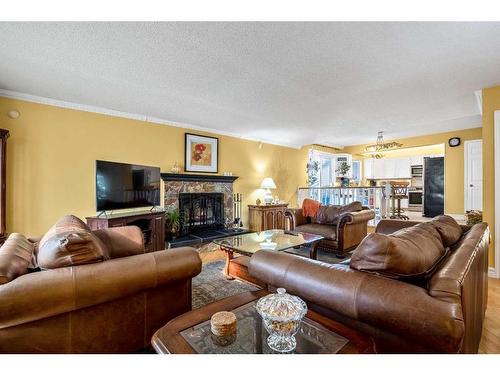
(495, 271)
(466, 168)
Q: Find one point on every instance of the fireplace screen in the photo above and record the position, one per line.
(201, 211)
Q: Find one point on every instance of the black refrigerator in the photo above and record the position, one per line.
(433, 186)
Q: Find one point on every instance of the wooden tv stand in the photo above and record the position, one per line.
(151, 223)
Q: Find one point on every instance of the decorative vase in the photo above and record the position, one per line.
(344, 182)
(175, 168)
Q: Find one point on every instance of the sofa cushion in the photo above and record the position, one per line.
(15, 257)
(449, 230)
(329, 214)
(70, 242)
(408, 253)
(327, 231)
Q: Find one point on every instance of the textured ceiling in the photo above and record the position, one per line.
(286, 83)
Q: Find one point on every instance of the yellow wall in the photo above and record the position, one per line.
(453, 165)
(52, 152)
(491, 103)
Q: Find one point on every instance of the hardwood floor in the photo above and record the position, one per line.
(490, 341)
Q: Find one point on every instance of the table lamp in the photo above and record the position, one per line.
(268, 184)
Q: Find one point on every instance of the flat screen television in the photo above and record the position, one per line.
(120, 186)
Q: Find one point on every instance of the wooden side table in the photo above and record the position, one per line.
(267, 216)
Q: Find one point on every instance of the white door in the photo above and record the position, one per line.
(473, 160)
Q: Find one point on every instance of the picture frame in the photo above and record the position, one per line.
(201, 153)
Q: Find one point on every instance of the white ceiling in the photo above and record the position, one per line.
(286, 83)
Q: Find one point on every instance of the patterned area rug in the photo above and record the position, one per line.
(211, 285)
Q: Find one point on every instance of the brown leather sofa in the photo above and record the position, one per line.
(112, 306)
(341, 237)
(442, 315)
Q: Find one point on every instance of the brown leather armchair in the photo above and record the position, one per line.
(339, 238)
(113, 306)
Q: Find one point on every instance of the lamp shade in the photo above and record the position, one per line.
(268, 183)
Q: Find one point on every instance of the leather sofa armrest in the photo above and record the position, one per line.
(352, 228)
(296, 217)
(122, 241)
(390, 226)
(357, 217)
(52, 292)
(401, 308)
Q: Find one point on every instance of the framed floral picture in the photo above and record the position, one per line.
(201, 153)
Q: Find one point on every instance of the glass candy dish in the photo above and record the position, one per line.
(282, 314)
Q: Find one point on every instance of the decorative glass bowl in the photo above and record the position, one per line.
(282, 314)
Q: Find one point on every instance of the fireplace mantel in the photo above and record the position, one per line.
(197, 177)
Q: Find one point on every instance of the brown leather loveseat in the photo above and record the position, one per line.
(441, 311)
(340, 236)
(112, 305)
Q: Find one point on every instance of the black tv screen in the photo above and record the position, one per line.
(120, 185)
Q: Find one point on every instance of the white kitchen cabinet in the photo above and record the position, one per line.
(378, 168)
(389, 168)
(417, 160)
(403, 169)
(368, 168)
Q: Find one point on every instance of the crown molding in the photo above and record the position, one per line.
(133, 116)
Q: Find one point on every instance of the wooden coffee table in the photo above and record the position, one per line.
(190, 332)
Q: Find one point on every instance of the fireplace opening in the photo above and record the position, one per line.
(200, 212)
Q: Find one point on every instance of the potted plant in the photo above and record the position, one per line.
(312, 170)
(173, 222)
(342, 170)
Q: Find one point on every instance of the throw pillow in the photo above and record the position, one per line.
(449, 230)
(70, 242)
(15, 257)
(408, 253)
(326, 215)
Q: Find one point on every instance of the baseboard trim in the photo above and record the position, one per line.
(492, 272)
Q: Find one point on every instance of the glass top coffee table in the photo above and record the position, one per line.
(272, 240)
(190, 333)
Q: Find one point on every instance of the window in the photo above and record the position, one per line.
(356, 170)
(326, 171)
